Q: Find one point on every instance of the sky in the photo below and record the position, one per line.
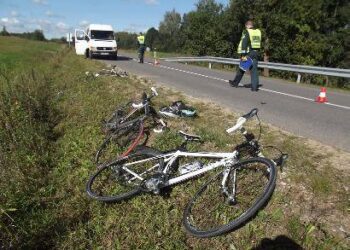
(58, 17)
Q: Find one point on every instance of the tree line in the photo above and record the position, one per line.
(307, 32)
(37, 35)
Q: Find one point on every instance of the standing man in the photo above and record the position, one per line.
(249, 46)
(142, 47)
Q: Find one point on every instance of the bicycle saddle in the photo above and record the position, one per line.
(189, 137)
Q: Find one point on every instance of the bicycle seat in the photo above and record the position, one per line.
(189, 137)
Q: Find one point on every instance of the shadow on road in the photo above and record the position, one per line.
(124, 58)
(120, 58)
(281, 242)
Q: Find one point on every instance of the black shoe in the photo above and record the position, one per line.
(233, 84)
(255, 90)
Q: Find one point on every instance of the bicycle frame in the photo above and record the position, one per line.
(226, 160)
(135, 108)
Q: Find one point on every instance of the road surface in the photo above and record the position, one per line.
(286, 105)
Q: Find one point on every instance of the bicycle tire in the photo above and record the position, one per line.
(230, 219)
(119, 176)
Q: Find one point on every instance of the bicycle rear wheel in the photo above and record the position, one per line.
(114, 181)
(209, 213)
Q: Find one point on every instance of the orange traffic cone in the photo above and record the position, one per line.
(321, 98)
(156, 62)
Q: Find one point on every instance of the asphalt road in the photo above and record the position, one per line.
(286, 105)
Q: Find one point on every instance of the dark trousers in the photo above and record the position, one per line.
(254, 74)
(142, 49)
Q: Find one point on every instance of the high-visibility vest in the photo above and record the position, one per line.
(141, 39)
(255, 40)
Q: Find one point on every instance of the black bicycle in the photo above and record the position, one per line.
(129, 126)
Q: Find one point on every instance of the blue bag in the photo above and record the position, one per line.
(245, 64)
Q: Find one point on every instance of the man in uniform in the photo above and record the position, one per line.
(142, 47)
(248, 47)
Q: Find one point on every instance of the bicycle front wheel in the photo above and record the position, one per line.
(211, 213)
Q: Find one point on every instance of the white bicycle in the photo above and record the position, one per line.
(240, 186)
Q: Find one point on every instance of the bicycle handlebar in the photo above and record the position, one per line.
(145, 98)
(251, 114)
(238, 125)
(154, 91)
(241, 120)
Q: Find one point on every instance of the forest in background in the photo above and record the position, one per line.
(306, 32)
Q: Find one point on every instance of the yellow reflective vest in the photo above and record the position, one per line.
(255, 41)
(141, 39)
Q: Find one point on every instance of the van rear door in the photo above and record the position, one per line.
(81, 43)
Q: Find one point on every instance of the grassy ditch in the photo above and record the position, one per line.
(50, 129)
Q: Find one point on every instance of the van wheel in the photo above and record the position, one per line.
(90, 54)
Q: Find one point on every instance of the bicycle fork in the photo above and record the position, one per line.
(231, 196)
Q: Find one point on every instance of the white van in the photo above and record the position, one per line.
(98, 39)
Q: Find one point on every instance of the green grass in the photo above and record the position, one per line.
(50, 129)
(17, 52)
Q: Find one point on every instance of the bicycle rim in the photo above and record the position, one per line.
(209, 213)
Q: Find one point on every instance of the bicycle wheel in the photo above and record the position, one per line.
(121, 114)
(114, 181)
(121, 141)
(209, 213)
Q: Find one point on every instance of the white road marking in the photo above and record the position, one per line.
(304, 98)
(263, 89)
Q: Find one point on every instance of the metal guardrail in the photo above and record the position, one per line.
(269, 65)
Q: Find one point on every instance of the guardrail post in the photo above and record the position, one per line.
(299, 78)
(266, 70)
(210, 65)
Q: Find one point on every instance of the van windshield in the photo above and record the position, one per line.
(102, 35)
